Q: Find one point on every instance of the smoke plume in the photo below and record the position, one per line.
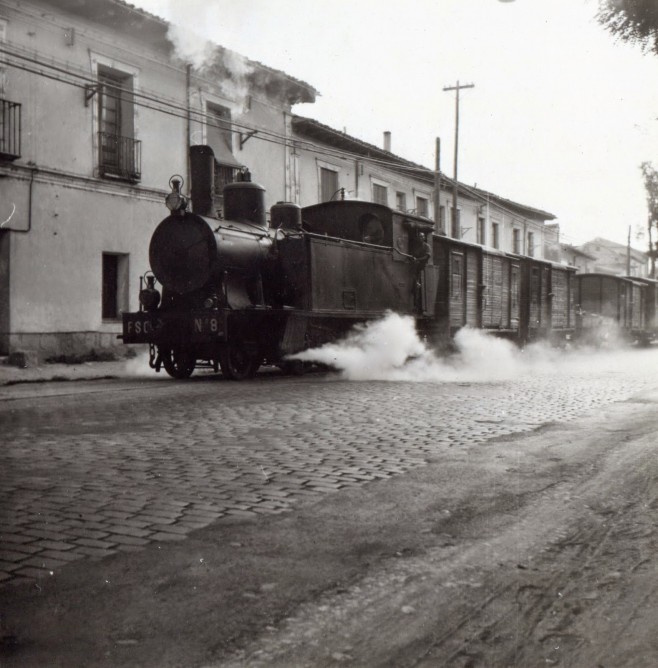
(228, 69)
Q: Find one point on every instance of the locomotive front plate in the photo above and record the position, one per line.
(145, 327)
(208, 325)
(141, 327)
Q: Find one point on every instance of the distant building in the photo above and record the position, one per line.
(577, 258)
(610, 257)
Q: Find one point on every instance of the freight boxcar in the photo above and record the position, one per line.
(610, 305)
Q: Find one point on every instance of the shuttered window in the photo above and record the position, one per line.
(456, 232)
(516, 241)
(495, 235)
(422, 206)
(328, 184)
(379, 194)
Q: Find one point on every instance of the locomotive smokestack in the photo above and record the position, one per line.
(202, 167)
(387, 141)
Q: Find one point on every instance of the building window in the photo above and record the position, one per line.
(481, 232)
(114, 296)
(456, 224)
(495, 235)
(422, 206)
(401, 201)
(516, 241)
(119, 151)
(531, 244)
(219, 137)
(380, 194)
(328, 184)
(10, 129)
(442, 218)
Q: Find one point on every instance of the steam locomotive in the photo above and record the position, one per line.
(237, 293)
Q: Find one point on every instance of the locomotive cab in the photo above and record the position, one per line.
(356, 259)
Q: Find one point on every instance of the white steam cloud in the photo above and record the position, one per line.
(389, 349)
(190, 47)
(139, 366)
(188, 22)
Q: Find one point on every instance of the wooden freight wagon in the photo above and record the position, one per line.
(606, 300)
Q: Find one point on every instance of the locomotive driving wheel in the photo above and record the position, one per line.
(178, 362)
(238, 363)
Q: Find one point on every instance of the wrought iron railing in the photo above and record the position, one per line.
(10, 130)
(120, 157)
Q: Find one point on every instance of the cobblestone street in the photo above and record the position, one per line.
(101, 467)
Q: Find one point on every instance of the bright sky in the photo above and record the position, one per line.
(560, 118)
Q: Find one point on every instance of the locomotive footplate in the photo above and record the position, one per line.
(146, 327)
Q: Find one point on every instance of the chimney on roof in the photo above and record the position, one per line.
(387, 141)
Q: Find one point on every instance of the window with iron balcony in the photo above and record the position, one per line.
(10, 130)
(119, 153)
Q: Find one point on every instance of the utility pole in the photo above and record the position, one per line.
(628, 253)
(437, 187)
(455, 194)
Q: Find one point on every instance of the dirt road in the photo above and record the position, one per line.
(521, 551)
(544, 554)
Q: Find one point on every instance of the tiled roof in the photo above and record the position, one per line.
(254, 63)
(316, 130)
(113, 12)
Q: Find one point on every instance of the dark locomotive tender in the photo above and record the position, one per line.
(237, 294)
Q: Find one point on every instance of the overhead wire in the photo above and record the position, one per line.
(64, 73)
(173, 108)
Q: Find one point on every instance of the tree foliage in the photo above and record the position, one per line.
(632, 21)
(650, 176)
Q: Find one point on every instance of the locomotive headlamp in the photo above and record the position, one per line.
(175, 201)
(149, 297)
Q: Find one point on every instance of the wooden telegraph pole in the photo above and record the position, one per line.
(455, 194)
(437, 187)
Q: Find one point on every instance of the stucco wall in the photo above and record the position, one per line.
(56, 267)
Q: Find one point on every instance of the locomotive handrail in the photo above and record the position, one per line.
(399, 252)
(263, 231)
(347, 241)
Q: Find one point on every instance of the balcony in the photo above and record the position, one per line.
(10, 130)
(119, 157)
